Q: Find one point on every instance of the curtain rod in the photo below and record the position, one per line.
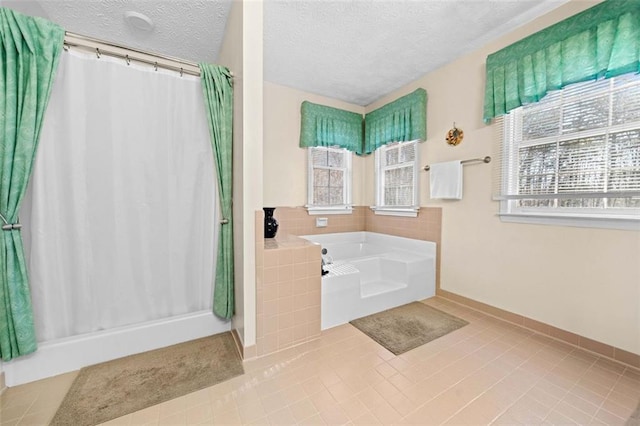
(102, 47)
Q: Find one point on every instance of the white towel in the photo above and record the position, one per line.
(446, 180)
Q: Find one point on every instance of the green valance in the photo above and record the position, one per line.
(402, 120)
(600, 42)
(325, 126)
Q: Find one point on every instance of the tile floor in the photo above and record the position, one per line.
(489, 372)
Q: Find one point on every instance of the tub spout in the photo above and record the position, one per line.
(326, 259)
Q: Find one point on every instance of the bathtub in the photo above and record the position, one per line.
(72, 353)
(372, 272)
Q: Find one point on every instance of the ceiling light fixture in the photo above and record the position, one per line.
(138, 20)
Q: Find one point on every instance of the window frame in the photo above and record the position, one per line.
(510, 211)
(380, 207)
(344, 208)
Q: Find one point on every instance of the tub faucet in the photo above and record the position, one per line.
(326, 260)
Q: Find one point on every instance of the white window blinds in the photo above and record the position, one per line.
(578, 148)
(329, 177)
(396, 177)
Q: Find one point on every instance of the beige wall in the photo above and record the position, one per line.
(285, 163)
(231, 57)
(252, 182)
(583, 280)
(242, 52)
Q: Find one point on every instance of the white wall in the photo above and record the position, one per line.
(285, 163)
(583, 280)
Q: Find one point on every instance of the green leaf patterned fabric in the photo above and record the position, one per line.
(600, 42)
(29, 55)
(404, 119)
(218, 94)
(326, 126)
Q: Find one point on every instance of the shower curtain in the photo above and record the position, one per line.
(121, 215)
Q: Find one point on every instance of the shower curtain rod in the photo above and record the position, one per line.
(102, 47)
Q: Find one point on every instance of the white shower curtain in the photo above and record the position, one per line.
(121, 215)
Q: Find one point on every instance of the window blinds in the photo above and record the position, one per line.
(577, 147)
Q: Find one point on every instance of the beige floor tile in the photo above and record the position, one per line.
(251, 412)
(354, 408)
(386, 414)
(609, 418)
(366, 419)
(41, 418)
(200, 414)
(227, 417)
(282, 417)
(316, 419)
(303, 409)
(489, 371)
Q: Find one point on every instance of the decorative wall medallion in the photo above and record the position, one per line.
(454, 136)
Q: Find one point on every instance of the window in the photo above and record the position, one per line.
(329, 181)
(397, 179)
(574, 157)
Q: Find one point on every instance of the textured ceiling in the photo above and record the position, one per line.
(361, 50)
(353, 50)
(186, 29)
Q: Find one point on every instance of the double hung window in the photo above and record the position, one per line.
(397, 179)
(574, 157)
(329, 180)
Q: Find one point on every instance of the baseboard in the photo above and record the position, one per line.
(602, 349)
(246, 353)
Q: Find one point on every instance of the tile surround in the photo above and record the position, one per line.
(288, 291)
(288, 280)
(427, 226)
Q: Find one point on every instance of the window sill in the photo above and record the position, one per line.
(581, 221)
(318, 210)
(390, 211)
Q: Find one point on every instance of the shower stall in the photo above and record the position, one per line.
(120, 221)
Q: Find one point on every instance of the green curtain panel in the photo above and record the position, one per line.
(600, 42)
(325, 126)
(29, 55)
(217, 87)
(404, 119)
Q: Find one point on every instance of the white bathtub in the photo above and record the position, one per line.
(372, 272)
(72, 353)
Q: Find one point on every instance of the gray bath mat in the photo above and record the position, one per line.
(407, 327)
(112, 389)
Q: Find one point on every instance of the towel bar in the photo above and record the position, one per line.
(486, 159)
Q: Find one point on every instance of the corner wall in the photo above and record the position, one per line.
(582, 280)
(285, 163)
(241, 52)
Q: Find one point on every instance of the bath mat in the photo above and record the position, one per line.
(112, 389)
(408, 326)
